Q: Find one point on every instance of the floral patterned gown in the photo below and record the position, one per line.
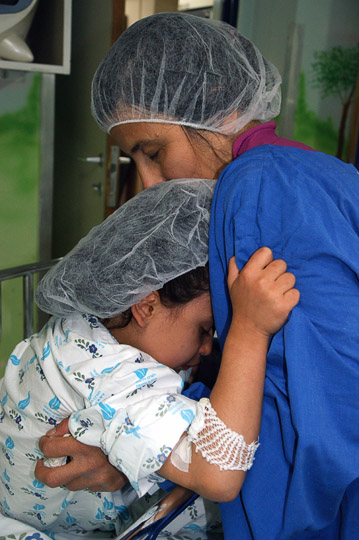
(117, 397)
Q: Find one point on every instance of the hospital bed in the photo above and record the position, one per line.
(27, 273)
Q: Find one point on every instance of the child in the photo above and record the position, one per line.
(136, 288)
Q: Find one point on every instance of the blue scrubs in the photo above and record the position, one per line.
(304, 483)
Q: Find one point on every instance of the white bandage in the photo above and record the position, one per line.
(54, 461)
(218, 444)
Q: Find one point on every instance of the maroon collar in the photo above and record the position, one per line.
(262, 134)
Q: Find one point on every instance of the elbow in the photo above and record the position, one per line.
(221, 495)
(226, 496)
(230, 494)
(220, 488)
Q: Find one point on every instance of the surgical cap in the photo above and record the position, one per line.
(181, 69)
(156, 236)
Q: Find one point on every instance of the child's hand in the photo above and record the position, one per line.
(262, 293)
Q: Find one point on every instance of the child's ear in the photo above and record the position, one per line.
(145, 310)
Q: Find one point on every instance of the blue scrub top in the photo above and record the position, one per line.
(304, 483)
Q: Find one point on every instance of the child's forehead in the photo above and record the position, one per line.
(202, 306)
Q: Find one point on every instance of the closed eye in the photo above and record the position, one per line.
(153, 156)
(205, 332)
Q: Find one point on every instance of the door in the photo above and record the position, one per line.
(81, 148)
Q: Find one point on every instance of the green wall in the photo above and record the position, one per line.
(19, 196)
(309, 129)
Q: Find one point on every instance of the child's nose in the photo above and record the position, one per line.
(206, 347)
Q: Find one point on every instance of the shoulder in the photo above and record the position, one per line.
(85, 341)
(279, 196)
(86, 326)
(278, 172)
(245, 175)
(267, 159)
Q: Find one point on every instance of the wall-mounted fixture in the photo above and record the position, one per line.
(15, 20)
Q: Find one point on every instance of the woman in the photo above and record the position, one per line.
(183, 96)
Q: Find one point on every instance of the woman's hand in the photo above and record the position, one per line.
(262, 293)
(89, 468)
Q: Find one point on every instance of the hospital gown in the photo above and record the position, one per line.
(305, 206)
(119, 399)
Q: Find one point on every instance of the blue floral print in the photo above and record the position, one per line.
(117, 398)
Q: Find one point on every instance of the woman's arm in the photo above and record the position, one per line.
(262, 296)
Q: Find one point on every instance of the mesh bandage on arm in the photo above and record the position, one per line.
(218, 444)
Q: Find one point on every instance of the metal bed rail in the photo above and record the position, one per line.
(27, 272)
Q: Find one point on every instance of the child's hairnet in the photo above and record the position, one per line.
(182, 69)
(156, 236)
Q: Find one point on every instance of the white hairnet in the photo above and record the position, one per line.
(156, 236)
(182, 69)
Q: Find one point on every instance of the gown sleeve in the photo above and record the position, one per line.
(138, 430)
(131, 406)
(304, 207)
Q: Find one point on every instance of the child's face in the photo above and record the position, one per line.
(178, 337)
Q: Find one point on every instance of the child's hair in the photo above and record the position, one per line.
(174, 294)
(152, 239)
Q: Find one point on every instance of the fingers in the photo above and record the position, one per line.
(262, 293)
(233, 271)
(107, 478)
(258, 261)
(88, 469)
(268, 274)
(287, 296)
(56, 476)
(260, 258)
(292, 297)
(60, 446)
(285, 282)
(56, 446)
(275, 269)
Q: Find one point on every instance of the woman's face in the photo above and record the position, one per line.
(165, 151)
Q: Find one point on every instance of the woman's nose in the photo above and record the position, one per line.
(149, 177)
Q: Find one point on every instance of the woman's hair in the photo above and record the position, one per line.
(174, 294)
(201, 137)
(181, 69)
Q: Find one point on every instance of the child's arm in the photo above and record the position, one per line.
(262, 296)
